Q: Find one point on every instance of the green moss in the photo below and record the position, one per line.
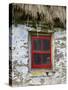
(35, 23)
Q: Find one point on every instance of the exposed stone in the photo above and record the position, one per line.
(50, 74)
(42, 81)
(18, 80)
(22, 69)
(35, 81)
(23, 61)
(20, 59)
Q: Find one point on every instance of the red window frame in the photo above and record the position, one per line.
(33, 65)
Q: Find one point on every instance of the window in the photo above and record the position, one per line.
(41, 52)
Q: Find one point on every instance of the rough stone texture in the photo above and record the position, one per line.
(20, 58)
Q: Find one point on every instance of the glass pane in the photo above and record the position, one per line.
(37, 44)
(45, 58)
(46, 45)
(37, 58)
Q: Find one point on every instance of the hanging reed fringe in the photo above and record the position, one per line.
(50, 16)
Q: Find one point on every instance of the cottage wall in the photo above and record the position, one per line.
(21, 73)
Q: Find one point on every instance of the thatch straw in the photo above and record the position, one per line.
(54, 15)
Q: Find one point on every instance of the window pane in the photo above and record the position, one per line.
(45, 58)
(46, 45)
(37, 58)
(37, 44)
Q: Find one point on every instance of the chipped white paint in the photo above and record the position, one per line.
(35, 81)
(23, 61)
(20, 58)
(22, 69)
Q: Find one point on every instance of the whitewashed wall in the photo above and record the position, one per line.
(20, 58)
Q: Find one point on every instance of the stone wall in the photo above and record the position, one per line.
(21, 76)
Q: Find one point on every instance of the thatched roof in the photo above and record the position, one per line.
(54, 16)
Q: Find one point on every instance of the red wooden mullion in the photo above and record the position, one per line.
(40, 52)
(50, 51)
(41, 37)
(32, 53)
